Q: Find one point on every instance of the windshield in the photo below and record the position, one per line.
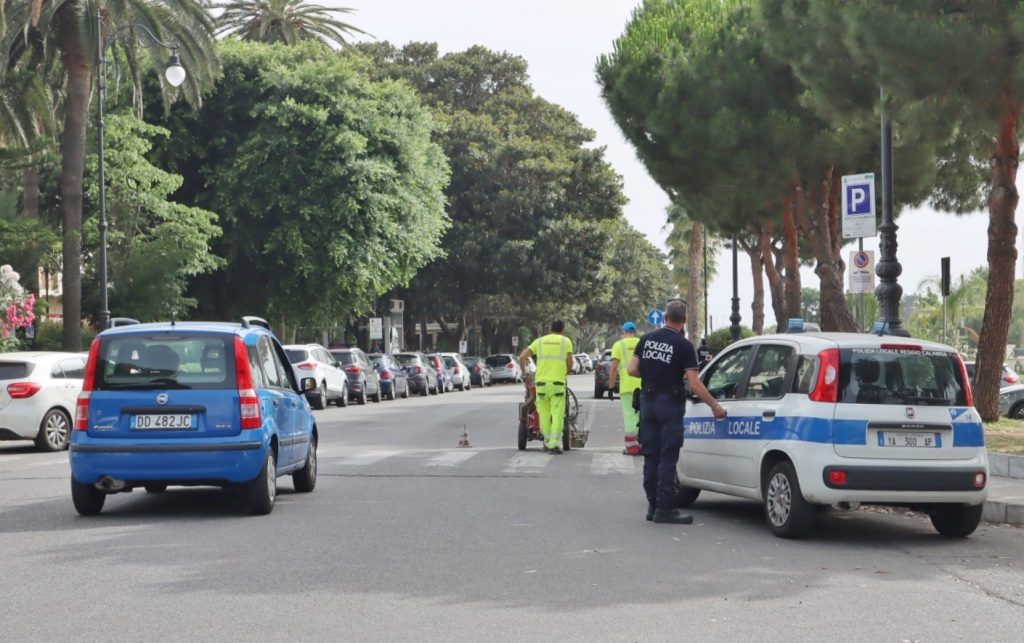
(899, 376)
(14, 370)
(498, 360)
(198, 361)
(296, 355)
(407, 360)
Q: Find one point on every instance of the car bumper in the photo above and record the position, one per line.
(503, 375)
(214, 461)
(20, 421)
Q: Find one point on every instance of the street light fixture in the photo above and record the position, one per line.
(175, 75)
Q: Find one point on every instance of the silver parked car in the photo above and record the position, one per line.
(504, 368)
(1011, 401)
(460, 372)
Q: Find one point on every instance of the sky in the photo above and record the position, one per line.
(561, 40)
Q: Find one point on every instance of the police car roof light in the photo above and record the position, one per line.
(826, 389)
(795, 325)
(966, 381)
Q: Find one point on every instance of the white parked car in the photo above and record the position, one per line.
(504, 368)
(839, 420)
(38, 391)
(313, 360)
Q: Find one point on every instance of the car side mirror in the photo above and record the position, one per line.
(307, 384)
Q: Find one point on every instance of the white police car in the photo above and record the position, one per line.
(838, 420)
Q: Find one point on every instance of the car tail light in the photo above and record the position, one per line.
(417, 370)
(307, 366)
(22, 390)
(476, 369)
(968, 391)
(354, 369)
(248, 401)
(385, 374)
(837, 477)
(1011, 378)
(827, 387)
(88, 383)
(979, 480)
(457, 370)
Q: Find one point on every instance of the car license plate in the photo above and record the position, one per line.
(163, 421)
(912, 439)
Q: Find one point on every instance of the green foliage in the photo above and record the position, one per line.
(640, 279)
(154, 245)
(720, 339)
(48, 336)
(284, 21)
(965, 306)
(329, 187)
(24, 241)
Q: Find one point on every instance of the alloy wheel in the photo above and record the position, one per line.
(56, 430)
(780, 499)
(271, 478)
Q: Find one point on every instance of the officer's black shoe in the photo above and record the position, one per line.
(557, 450)
(650, 512)
(673, 516)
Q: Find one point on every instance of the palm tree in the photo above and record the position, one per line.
(71, 27)
(284, 21)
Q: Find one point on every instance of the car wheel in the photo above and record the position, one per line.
(343, 400)
(320, 401)
(262, 490)
(305, 478)
(155, 488)
(788, 514)
(1017, 412)
(54, 431)
(685, 496)
(87, 498)
(523, 434)
(377, 396)
(405, 393)
(956, 521)
(393, 395)
(362, 395)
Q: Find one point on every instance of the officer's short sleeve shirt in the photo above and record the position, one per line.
(665, 356)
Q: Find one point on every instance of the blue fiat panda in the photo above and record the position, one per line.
(190, 403)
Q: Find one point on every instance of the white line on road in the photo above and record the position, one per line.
(366, 458)
(603, 464)
(450, 459)
(527, 462)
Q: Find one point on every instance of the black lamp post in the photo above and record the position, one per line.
(735, 317)
(175, 75)
(889, 292)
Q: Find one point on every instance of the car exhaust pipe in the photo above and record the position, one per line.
(108, 484)
(846, 506)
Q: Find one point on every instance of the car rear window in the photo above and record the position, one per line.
(407, 360)
(166, 361)
(471, 361)
(498, 360)
(296, 355)
(15, 370)
(900, 376)
(449, 361)
(345, 357)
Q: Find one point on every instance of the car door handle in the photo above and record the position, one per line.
(768, 414)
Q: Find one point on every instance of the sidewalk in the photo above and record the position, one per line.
(1005, 502)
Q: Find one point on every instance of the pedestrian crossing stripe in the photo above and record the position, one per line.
(597, 462)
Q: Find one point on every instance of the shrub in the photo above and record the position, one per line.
(721, 338)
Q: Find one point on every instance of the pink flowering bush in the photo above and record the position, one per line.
(16, 308)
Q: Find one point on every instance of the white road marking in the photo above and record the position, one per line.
(527, 462)
(366, 458)
(450, 459)
(603, 464)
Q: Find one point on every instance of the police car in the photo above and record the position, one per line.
(832, 419)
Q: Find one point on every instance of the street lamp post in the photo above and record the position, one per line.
(889, 291)
(735, 317)
(175, 75)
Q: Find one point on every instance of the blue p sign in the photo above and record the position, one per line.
(858, 199)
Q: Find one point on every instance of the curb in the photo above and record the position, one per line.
(1006, 496)
(1005, 465)
(1000, 512)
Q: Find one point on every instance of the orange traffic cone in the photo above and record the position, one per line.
(464, 440)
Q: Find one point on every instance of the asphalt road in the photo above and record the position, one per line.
(408, 538)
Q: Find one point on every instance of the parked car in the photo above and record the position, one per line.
(1011, 401)
(840, 420)
(394, 381)
(37, 396)
(459, 371)
(191, 403)
(479, 371)
(444, 374)
(586, 364)
(363, 381)
(504, 368)
(422, 374)
(601, 373)
(577, 366)
(313, 360)
(1008, 378)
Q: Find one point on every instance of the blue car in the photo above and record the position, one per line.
(191, 403)
(394, 381)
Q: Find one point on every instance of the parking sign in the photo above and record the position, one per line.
(859, 206)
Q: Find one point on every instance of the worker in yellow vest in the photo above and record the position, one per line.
(622, 352)
(554, 356)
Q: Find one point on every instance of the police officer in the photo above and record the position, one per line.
(663, 360)
(622, 351)
(554, 362)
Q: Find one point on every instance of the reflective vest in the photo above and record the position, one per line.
(551, 352)
(623, 352)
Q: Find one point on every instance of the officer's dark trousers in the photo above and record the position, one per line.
(661, 437)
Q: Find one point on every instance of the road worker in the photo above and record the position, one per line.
(622, 352)
(554, 355)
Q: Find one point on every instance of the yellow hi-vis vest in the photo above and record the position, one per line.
(623, 352)
(551, 352)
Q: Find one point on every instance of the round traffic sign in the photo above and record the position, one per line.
(861, 260)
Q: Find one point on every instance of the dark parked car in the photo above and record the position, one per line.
(1009, 378)
(394, 381)
(479, 371)
(363, 381)
(422, 374)
(601, 373)
(1011, 401)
